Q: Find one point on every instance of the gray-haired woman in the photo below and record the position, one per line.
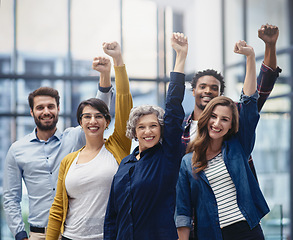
(135, 117)
(142, 198)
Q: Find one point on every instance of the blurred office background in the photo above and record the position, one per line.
(52, 43)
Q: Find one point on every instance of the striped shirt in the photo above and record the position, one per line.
(224, 190)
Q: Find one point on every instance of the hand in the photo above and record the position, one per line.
(242, 48)
(269, 34)
(179, 43)
(102, 64)
(112, 49)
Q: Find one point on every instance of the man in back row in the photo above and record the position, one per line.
(209, 83)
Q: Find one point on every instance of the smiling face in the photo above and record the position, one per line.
(207, 88)
(45, 113)
(93, 122)
(220, 122)
(148, 131)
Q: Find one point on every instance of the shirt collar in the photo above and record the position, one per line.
(190, 118)
(132, 157)
(34, 137)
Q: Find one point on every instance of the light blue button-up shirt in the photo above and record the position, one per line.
(37, 163)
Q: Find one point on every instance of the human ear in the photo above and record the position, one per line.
(193, 92)
(31, 112)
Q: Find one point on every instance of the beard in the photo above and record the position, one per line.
(201, 106)
(46, 127)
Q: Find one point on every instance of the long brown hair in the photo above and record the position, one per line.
(200, 144)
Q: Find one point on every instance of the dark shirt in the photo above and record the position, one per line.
(143, 193)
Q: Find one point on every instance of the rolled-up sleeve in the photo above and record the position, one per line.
(183, 221)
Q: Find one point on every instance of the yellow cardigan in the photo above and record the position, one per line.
(118, 144)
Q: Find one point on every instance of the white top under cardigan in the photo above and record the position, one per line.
(88, 188)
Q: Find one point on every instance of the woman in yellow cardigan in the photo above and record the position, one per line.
(85, 176)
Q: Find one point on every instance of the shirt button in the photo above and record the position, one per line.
(50, 172)
(53, 189)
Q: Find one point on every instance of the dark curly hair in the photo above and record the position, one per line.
(209, 72)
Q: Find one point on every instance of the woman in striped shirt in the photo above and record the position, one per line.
(215, 181)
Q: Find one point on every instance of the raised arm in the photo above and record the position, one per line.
(249, 86)
(180, 45)
(269, 71)
(123, 103)
(103, 65)
(105, 92)
(269, 34)
(113, 49)
(174, 112)
(248, 114)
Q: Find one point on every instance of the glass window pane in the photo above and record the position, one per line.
(273, 12)
(5, 95)
(93, 22)
(233, 28)
(6, 125)
(140, 38)
(42, 27)
(6, 27)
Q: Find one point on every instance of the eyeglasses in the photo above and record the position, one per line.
(88, 116)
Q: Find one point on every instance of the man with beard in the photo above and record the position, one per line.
(35, 159)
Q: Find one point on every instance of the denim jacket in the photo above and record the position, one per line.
(194, 192)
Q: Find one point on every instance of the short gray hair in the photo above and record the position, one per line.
(137, 112)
